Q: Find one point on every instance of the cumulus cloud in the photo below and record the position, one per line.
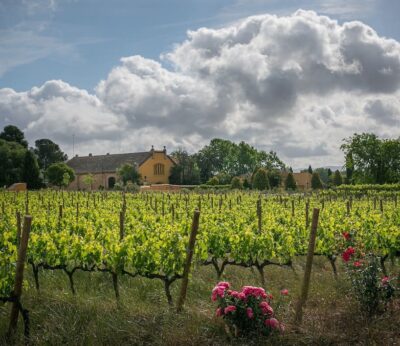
(296, 84)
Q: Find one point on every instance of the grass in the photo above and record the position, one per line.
(143, 317)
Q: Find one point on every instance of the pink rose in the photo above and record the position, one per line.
(357, 264)
(285, 292)
(250, 313)
(229, 308)
(266, 308)
(385, 280)
(224, 284)
(272, 323)
(219, 312)
(241, 296)
(218, 291)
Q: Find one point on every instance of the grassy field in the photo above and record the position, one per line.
(143, 317)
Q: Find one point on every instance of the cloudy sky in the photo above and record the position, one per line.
(118, 76)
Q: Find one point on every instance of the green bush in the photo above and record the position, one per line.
(260, 180)
(236, 183)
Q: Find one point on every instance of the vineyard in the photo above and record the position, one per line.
(145, 236)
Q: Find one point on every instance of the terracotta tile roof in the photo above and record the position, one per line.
(106, 163)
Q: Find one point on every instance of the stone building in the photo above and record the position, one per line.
(154, 166)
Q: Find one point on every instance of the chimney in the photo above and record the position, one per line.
(165, 152)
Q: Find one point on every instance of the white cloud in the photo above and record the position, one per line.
(297, 84)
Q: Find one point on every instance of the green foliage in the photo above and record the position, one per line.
(30, 171)
(47, 153)
(309, 170)
(12, 133)
(223, 156)
(290, 182)
(337, 178)
(12, 156)
(58, 173)
(186, 171)
(236, 183)
(316, 182)
(128, 172)
(246, 184)
(260, 180)
(370, 160)
(88, 180)
(213, 181)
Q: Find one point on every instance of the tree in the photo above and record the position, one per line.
(316, 182)
(30, 171)
(57, 174)
(48, 152)
(128, 172)
(260, 180)
(12, 133)
(371, 160)
(236, 183)
(290, 182)
(274, 177)
(186, 171)
(12, 156)
(309, 170)
(337, 178)
(88, 180)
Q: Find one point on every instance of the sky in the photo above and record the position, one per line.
(295, 77)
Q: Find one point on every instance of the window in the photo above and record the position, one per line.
(158, 169)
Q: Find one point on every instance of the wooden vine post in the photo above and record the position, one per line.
(19, 275)
(188, 263)
(307, 272)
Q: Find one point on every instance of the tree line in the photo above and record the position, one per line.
(36, 165)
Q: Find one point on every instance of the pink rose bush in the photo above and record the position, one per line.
(249, 310)
(372, 291)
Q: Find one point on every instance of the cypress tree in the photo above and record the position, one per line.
(310, 169)
(316, 182)
(290, 182)
(337, 178)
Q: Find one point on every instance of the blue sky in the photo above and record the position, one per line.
(81, 40)
(296, 77)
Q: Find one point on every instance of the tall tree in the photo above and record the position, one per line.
(310, 169)
(186, 171)
(30, 171)
(372, 160)
(316, 182)
(290, 182)
(12, 133)
(337, 178)
(11, 162)
(48, 152)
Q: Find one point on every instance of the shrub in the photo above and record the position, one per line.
(371, 288)
(260, 180)
(246, 312)
(213, 181)
(236, 183)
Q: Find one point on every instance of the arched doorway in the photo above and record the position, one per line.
(111, 182)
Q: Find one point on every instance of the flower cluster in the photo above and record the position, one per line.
(369, 287)
(249, 310)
